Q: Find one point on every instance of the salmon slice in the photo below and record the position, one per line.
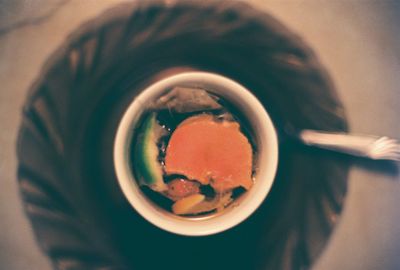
(211, 152)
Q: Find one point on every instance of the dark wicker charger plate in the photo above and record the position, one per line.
(66, 176)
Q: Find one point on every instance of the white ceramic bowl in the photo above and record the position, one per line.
(265, 139)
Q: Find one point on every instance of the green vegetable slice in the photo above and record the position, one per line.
(147, 167)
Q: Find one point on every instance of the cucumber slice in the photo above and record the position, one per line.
(147, 168)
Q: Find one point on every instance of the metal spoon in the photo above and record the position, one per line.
(373, 147)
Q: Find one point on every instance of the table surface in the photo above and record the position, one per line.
(357, 41)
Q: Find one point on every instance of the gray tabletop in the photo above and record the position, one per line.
(358, 42)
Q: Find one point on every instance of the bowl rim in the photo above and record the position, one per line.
(255, 113)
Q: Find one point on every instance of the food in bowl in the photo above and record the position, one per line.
(192, 152)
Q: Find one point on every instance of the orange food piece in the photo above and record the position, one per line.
(211, 152)
(180, 188)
